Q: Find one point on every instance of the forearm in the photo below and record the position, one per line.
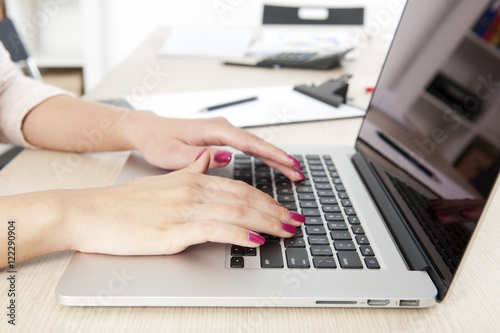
(39, 226)
(71, 124)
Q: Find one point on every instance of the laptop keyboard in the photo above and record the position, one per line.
(332, 236)
(450, 239)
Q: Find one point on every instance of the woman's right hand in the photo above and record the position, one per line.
(166, 214)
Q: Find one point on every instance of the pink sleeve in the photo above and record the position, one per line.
(18, 96)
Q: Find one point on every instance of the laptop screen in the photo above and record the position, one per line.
(431, 130)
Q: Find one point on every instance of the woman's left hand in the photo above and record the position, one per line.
(174, 143)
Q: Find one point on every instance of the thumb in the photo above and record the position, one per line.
(200, 165)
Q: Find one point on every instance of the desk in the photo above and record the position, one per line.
(472, 305)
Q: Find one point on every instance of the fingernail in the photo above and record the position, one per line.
(294, 160)
(256, 238)
(222, 157)
(300, 174)
(297, 217)
(289, 228)
(467, 211)
(201, 153)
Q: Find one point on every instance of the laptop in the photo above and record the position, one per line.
(375, 234)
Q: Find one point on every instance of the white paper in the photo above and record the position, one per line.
(275, 105)
(207, 42)
(274, 42)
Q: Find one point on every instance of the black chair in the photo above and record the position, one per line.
(12, 42)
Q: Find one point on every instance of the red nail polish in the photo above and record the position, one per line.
(297, 217)
(223, 157)
(300, 174)
(294, 160)
(289, 228)
(201, 153)
(256, 238)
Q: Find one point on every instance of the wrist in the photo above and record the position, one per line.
(135, 126)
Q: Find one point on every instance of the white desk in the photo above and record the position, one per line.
(472, 306)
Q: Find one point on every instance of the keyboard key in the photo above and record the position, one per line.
(323, 186)
(316, 168)
(349, 211)
(295, 242)
(372, 263)
(315, 230)
(308, 204)
(304, 189)
(353, 220)
(340, 235)
(313, 221)
(349, 259)
(337, 226)
(318, 173)
(320, 262)
(340, 188)
(331, 209)
(237, 250)
(237, 262)
(344, 245)
(310, 212)
(366, 251)
(284, 190)
(271, 256)
(343, 195)
(321, 250)
(290, 206)
(337, 181)
(314, 162)
(358, 230)
(325, 193)
(286, 198)
(362, 240)
(318, 240)
(334, 217)
(250, 251)
(346, 203)
(297, 258)
(327, 201)
(321, 180)
(306, 197)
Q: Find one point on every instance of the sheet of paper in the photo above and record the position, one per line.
(207, 42)
(274, 105)
(273, 42)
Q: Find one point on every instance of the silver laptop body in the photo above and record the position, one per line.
(401, 146)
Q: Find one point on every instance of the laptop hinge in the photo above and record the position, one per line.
(405, 241)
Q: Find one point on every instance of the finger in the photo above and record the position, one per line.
(181, 236)
(271, 209)
(235, 187)
(246, 217)
(226, 134)
(292, 173)
(200, 164)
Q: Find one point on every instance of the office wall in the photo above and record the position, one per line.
(114, 28)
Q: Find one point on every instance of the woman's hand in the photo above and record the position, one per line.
(173, 143)
(165, 214)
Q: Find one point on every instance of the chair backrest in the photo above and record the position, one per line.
(312, 15)
(13, 43)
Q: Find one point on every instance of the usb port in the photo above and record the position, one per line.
(378, 302)
(409, 302)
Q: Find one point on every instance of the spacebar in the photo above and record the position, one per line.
(270, 255)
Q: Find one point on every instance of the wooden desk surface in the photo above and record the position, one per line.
(472, 305)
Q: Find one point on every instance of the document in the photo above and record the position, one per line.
(272, 105)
